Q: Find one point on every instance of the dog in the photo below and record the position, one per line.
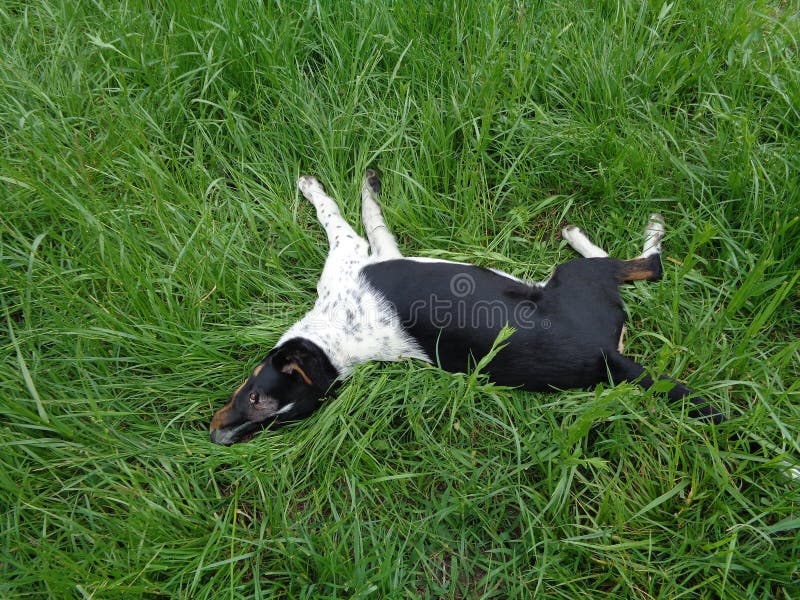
(374, 304)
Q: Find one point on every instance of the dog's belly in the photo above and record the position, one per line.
(456, 311)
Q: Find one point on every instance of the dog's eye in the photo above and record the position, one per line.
(253, 397)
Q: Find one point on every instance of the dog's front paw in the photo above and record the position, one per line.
(309, 184)
(373, 181)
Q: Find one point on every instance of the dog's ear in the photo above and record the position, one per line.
(293, 366)
(306, 361)
(289, 359)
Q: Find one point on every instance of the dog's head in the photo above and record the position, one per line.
(287, 385)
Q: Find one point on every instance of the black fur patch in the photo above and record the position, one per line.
(455, 312)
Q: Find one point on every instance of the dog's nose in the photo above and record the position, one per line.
(223, 437)
(215, 437)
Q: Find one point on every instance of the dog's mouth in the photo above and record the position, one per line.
(246, 437)
(244, 432)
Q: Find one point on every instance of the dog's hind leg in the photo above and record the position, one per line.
(380, 238)
(623, 368)
(648, 264)
(636, 269)
(654, 233)
(645, 266)
(341, 236)
(581, 243)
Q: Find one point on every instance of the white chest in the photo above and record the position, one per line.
(353, 324)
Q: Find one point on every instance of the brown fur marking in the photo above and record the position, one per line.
(641, 268)
(218, 422)
(219, 417)
(292, 367)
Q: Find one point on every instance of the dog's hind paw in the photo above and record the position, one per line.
(653, 234)
(570, 232)
(656, 224)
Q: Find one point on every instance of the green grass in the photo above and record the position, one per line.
(153, 247)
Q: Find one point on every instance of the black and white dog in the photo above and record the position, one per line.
(376, 304)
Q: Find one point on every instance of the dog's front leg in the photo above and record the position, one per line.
(341, 237)
(348, 250)
(381, 240)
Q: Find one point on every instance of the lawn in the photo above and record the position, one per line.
(153, 247)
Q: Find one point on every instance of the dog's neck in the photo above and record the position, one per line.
(352, 326)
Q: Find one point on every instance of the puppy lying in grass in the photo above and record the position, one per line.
(376, 304)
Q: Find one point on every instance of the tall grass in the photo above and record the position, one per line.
(153, 247)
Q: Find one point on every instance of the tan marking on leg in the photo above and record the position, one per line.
(620, 343)
(640, 268)
(258, 370)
